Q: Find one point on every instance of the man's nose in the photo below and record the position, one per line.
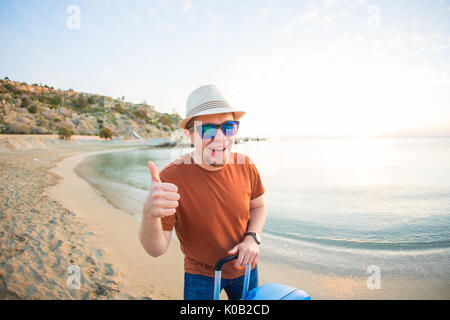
(220, 136)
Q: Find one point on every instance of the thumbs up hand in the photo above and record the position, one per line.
(163, 197)
(154, 171)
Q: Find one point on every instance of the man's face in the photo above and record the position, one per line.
(217, 151)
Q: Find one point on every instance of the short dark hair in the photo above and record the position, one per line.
(190, 123)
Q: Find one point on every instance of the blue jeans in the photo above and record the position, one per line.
(200, 287)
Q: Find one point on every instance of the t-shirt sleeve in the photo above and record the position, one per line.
(167, 222)
(257, 185)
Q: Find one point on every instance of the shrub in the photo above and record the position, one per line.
(38, 130)
(26, 102)
(18, 128)
(65, 133)
(33, 108)
(101, 101)
(50, 115)
(10, 87)
(166, 120)
(83, 103)
(140, 114)
(105, 133)
(64, 112)
(114, 120)
(54, 100)
(91, 99)
(118, 108)
(97, 110)
(42, 98)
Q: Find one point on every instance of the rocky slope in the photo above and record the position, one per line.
(40, 109)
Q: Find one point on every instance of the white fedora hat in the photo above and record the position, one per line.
(207, 100)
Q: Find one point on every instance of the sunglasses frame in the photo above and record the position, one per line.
(217, 126)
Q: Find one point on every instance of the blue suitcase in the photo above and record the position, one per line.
(269, 291)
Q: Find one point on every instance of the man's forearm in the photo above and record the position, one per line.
(152, 236)
(248, 249)
(257, 219)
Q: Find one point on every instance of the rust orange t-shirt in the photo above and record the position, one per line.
(213, 210)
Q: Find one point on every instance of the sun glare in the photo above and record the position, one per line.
(310, 100)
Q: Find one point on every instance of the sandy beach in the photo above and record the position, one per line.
(43, 243)
(117, 232)
(51, 219)
(55, 227)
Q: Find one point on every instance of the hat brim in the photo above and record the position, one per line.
(237, 115)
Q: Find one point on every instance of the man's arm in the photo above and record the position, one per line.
(152, 237)
(258, 213)
(161, 201)
(248, 249)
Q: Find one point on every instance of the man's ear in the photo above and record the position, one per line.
(190, 135)
(187, 133)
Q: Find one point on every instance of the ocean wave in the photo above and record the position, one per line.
(363, 243)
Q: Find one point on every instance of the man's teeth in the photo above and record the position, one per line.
(219, 149)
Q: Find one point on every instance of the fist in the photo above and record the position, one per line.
(162, 199)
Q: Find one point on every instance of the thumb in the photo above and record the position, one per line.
(234, 250)
(154, 171)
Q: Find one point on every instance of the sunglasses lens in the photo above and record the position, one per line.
(230, 128)
(208, 131)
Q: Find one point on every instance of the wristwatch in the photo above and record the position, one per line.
(255, 236)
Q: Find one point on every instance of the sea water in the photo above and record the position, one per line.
(334, 206)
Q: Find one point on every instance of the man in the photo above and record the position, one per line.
(212, 196)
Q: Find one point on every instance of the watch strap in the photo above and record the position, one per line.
(253, 235)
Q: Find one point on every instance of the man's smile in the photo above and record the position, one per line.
(217, 149)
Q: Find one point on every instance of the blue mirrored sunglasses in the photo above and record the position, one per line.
(208, 131)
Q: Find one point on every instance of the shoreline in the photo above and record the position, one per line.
(319, 285)
(86, 229)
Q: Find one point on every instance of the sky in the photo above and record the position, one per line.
(298, 68)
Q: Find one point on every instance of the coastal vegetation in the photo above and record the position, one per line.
(42, 109)
(106, 133)
(65, 133)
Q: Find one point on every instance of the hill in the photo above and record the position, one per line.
(41, 109)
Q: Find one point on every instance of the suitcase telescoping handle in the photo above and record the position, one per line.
(218, 276)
